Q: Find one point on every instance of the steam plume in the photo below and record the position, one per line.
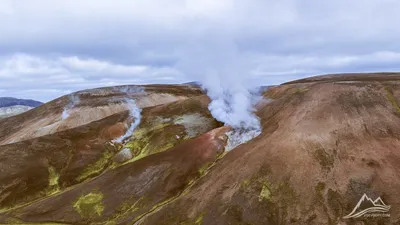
(73, 101)
(134, 112)
(223, 73)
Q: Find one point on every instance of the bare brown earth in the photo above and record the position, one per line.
(325, 142)
(94, 105)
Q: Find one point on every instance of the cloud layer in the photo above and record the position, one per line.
(46, 78)
(50, 48)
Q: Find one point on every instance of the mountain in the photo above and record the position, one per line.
(8, 101)
(13, 106)
(324, 143)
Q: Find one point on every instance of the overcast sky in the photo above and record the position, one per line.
(49, 48)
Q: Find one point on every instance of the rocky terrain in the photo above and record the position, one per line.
(13, 106)
(325, 142)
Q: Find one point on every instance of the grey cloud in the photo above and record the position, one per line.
(24, 75)
(279, 40)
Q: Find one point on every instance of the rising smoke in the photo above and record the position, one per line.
(74, 100)
(134, 110)
(134, 113)
(223, 72)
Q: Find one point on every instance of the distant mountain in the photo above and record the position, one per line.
(8, 101)
(14, 106)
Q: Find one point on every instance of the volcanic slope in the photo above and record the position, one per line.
(324, 144)
(87, 106)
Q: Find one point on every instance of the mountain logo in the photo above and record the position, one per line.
(368, 208)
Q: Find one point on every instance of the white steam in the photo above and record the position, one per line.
(232, 103)
(134, 113)
(224, 73)
(73, 101)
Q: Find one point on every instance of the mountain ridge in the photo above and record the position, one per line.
(11, 101)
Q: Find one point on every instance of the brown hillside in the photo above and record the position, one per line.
(325, 142)
(94, 105)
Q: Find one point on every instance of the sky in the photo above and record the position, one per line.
(49, 48)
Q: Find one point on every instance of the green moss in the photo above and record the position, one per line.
(265, 193)
(148, 142)
(53, 178)
(53, 182)
(158, 205)
(52, 188)
(279, 198)
(146, 152)
(245, 183)
(139, 142)
(199, 220)
(140, 133)
(204, 169)
(126, 208)
(222, 155)
(97, 167)
(392, 99)
(90, 205)
(157, 134)
(259, 184)
(300, 90)
(155, 207)
(286, 199)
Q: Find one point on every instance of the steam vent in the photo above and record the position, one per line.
(327, 151)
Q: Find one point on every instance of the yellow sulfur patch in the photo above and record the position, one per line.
(90, 205)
